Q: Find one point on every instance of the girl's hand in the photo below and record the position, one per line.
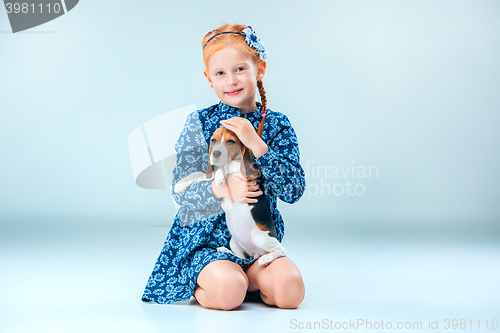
(245, 131)
(242, 190)
(242, 128)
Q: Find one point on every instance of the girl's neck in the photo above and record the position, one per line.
(251, 107)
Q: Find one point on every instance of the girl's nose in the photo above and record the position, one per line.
(232, 79)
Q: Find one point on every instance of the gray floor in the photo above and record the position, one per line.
(89, 277)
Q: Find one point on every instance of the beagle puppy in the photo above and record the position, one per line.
(250, 224)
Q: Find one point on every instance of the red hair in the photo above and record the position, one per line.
(238, 42)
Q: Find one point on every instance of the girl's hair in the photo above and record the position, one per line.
(238, 42)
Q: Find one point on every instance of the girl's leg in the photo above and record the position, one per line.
(280, 283)
(222, 284)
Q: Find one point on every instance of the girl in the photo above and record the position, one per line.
(189, 263)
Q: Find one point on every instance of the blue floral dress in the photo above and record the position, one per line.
(199, 227)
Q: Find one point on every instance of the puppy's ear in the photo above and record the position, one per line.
(210, 168)
(243, 168)
(252, 170)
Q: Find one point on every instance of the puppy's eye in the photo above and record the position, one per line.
(213, 141)
(230, 142)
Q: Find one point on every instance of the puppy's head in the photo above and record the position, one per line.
(224, 147)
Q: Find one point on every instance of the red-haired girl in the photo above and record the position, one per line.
(189, 264)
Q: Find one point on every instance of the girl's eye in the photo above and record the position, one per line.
(219, 73)
(230, 142)
(240, 69)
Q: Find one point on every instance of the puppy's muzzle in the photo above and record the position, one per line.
(216, 153)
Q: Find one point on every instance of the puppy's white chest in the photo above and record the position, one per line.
(241, 224)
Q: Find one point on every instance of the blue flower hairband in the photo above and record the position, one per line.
(250, 37)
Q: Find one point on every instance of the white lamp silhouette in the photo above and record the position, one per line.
(152, 149)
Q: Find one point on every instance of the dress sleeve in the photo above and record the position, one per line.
(280, 165)
(197, 202)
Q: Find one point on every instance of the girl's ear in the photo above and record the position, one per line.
(262, 69)
(208, 78)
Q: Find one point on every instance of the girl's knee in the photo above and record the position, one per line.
(232, 290)
(289, 291)
(224, 285)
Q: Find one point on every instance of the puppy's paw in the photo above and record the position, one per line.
(224, 249)
(181, 187)
(265, 260)
(219, 181)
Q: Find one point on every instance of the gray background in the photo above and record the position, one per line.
(410, 87)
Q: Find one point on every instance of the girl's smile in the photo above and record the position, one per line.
(234, 92)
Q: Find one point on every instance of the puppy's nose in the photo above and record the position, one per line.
(216, 153)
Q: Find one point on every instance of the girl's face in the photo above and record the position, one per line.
(234, 78)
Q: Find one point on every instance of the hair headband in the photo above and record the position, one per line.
(250, 38)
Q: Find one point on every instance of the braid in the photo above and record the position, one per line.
(263, 98)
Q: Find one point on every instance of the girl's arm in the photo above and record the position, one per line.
(279, 161)
(280, 164)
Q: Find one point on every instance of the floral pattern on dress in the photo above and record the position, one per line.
(199, 226)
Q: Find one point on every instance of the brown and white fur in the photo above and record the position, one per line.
(250, 224)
